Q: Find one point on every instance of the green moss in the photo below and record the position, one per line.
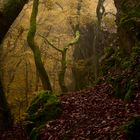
(123, 73)
(132, 128)
(34, 135)
(117, 87)
(130, 19)
(111, 59)
(44, 107)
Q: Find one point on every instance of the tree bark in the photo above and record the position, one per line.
(100, 10)
(36, 80)
(62, 72)
(126, 37)
(34, 47)
(61, 75)
(8, 14)
(5, 114)
(95, 56)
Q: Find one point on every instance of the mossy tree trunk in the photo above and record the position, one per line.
(61, 75)
(8, 13)
(34, 47)
(127, 33)
(100, 10)
(62, 72)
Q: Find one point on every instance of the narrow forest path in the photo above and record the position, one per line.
(91, 114)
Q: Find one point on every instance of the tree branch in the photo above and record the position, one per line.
(59, 6)
(52, 45)
(110, 13)
(75, 40)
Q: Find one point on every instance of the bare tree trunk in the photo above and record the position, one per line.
(26, 83)
(100, 12)
(37, 54)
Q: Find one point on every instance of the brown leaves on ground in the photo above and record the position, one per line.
(91, 115)
(14, 133)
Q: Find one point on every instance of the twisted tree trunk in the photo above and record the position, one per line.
(34, 47)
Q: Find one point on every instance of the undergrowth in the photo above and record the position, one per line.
(122, 72)
(44, 107)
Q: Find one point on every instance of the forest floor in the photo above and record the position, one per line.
(91, 114)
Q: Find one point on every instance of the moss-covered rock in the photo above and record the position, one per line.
(44, 107)
(122, 72)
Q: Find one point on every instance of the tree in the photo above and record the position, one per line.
(8, 14)
(35, 48)
(61, 75)
(100, 10)
(127, 20)
(83, 51)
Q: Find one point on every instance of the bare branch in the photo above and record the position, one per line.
(58, 4)
(52, 45)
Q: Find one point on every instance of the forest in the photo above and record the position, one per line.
(70, 70)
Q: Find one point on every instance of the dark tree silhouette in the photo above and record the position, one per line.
(8, 13)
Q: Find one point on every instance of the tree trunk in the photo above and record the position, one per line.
(5, 114)
(62, 72)
(95, 45)
(8, 14)
(100, 11)
(34, 47)
(36, 80)
(26, 83)
(126, 36)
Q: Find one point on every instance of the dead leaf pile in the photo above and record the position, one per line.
(91, 115)
(14, 133)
